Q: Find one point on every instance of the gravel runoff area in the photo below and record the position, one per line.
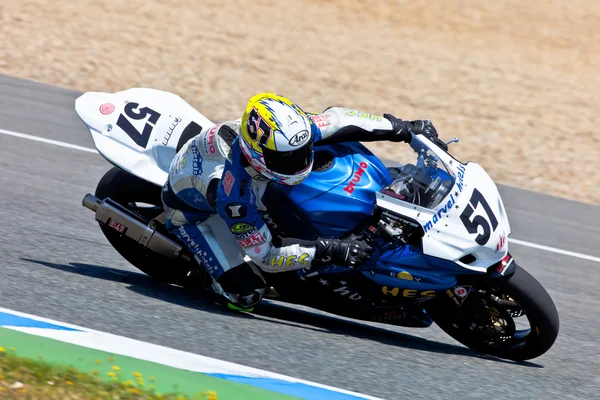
(516, 81)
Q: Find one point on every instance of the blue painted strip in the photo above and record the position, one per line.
(296, 389)
(14, 320)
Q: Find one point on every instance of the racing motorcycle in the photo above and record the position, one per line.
(438, 227)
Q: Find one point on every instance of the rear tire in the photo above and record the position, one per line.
(529, 299)
(127, 189)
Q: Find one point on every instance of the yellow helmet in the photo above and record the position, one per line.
(277, 138)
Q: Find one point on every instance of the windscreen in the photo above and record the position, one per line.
(420, 177)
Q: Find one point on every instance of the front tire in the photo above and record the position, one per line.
(129, 191)
(488, 321)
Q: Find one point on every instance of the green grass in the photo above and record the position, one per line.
(23, 378)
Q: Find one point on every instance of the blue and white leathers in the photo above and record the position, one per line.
(239, 204)
(238, 198)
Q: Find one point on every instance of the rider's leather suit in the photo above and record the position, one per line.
(210, 174)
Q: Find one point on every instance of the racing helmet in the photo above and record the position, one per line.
(277, 139)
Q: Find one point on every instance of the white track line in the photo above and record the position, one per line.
(554, 250)
(90, 150)
(49, 141)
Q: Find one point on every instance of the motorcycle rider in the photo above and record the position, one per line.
(227, 167)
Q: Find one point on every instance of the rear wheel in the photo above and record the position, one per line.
(143, 198)
(512, 317)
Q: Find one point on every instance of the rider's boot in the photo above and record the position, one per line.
(233, 280)
(240, 288)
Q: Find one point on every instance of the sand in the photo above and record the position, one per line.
(516, 81)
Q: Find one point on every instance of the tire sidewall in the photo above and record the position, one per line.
(540, 311)
(123, 188)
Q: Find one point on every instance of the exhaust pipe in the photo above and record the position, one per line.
(117, 217)
(91, 202)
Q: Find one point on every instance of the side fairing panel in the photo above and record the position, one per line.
(474, 200)
(405, 267)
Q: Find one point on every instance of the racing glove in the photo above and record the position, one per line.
(349, 252)
(426, 128)
(402, 130)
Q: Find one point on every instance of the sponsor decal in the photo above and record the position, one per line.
(259, 177)
(461, 177)
(241, 236)
(389, 316)
(438, 217)
(197, 160)
(209, 140)
(306, 272)
(320, 120)
(358, 114)
(235, 210)
(446, 208)
(345, 291)
(289, 261)
(342, 290)
(504, 264)
(356, 178)
(458, 294)
(501, 242)
(299, 138)
(404, 275)
(460, 291)
(117, 226)
(228, 181)
(241, 228)
(192, 244)
(410, 293)
(203, 257)
(181, 163)
(256, 239)
(170, 130)
(107, 108)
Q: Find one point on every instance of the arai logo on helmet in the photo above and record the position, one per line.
(299, 138)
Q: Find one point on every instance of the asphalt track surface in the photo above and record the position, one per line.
(55, 263)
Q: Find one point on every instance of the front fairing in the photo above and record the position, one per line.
(469, 226)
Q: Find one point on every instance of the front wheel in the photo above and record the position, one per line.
(511, 317)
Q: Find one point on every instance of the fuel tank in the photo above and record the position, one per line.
(336, 198)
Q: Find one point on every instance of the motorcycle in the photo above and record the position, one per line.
(438, 227)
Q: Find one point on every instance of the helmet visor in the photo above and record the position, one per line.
(289, 162)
